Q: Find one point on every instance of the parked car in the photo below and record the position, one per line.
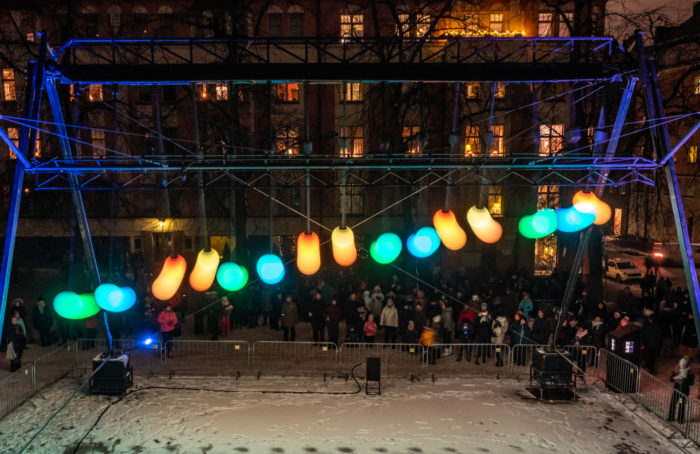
(622, 270)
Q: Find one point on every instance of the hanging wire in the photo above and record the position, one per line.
(200, 175)
(454, 139)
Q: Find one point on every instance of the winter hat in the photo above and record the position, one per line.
(436, 319)
(683, 362)
(224, 301)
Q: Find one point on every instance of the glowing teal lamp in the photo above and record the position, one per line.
(72, 306)
(270, 269)
(423, 243)
(539, 224)
(573, 220)
(114, 299)
(386, 248)
(231, 276)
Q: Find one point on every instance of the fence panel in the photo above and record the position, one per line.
(294, 358)
(618, 374)
(207, 357)
(16, 388)
(468, 359)
(693, 428)
(397, 360)
(53, 365)
(661, 399)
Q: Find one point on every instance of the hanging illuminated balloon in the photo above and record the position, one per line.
(231, 276)
(168, 281)
(572, 220)
(270, 269)
(449, 230)
(204, 271)
(308, 253)
(588, 202)
(423, 243)
(343, 241)
(128, 301)
(483, 225)
(386, 248)
(539, 224)
(72, 306)
(114, 299)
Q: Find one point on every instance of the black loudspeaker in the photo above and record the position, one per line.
(374, 366)
(550, 368)
(111, 375)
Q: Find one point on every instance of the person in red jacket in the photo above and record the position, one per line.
(167, 321)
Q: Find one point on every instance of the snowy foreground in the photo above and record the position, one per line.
(449, 416)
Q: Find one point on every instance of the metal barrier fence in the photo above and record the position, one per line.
(468, 359)
(144, 358)
(206, 357)
(53, 366)
(397, 360)
(16, 388)
(294, 358)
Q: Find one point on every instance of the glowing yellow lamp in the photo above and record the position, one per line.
(344, 251)
(588, 202)
(450, 232)
(168, 281)
(308, 253)
(483, 225)
(204, 271)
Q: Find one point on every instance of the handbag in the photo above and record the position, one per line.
(11, 354)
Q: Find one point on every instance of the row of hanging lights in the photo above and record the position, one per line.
(587, 209)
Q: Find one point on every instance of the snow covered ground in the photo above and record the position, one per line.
(448, 416)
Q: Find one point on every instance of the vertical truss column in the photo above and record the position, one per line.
(586, 234)
(661, 144)
(27, 137)
(79, 206)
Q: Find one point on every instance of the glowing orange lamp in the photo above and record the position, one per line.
(450, 232)
(204, 271)
(308, 253)
(168, 281)
(588, 202)
(344, 251)
(483, 225)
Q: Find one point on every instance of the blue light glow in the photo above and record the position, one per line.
(423, 243)
(270, 269)
(572, 220)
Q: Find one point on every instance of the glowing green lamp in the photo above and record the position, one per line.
(539, 224)
(72, 306)
(231, 276)
(386, 248)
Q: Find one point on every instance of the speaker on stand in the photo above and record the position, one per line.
(374, 366)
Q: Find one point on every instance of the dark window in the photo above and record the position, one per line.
(140, 25)
(296, 24)
(167, 26)
(274, 24)
(88, 26)
(169, 145)
(144, 95)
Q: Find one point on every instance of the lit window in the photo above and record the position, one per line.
(37, 146)
(497, 148)
(354, 200)
(500, 90)
(287, 141)
(8, 84)
(471, 22)
(693, 154)
(473, 89)
(351, 142)
(422, 25)
(203, 92)
(274, 24)
(545, 255)
(99, 143)
(496, 200)
(409, 136)
(403, 28)
(95, 93)
(551, 139)
(472, 142)
(221, 92)
(544, 24)
(547, 197)
(563, 27)
(696, 85)
(351, 26)
(288, 92)
(496, 22)
(351, 92)
(13, 134)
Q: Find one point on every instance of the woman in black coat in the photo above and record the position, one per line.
(17, 338)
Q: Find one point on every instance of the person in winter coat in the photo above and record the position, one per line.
(500, 328)
(541, 329)
(376, 302)
(651, 342)
(332, 315)
(42, 321)
(689, 338)
(448, 323)
(316, 317)
(483, 333)
(526, 305)
(226, 310)
(682, 379)
(370, 329)
(520, 336)
(167, 319)
(389, 320)
(16, 342)
(598, 333)
(580, 351)
(419, 316)
(405, 315)
(411, 335)
(465, 334)
(290, 318)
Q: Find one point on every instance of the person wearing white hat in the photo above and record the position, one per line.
(682, 378)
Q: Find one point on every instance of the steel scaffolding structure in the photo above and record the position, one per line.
(449, 59)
